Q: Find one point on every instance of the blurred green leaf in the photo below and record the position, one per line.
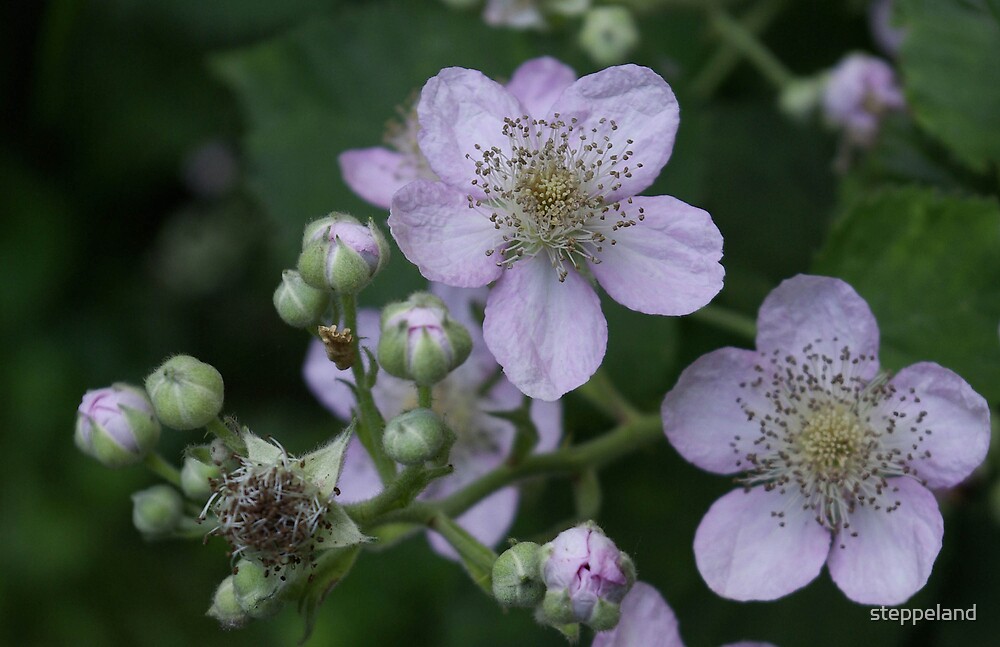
(929, 266)
(951, 66)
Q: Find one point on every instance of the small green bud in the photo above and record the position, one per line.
(226, 607)
(341, 254)
(420, 341)
(802, 97)
(516, 579)
(197, 475)
(414, 437)
(256, 589)
(298, 304)
(608, 34)
(186, 393)
(157, 511)
(116, 425)
(605, 615)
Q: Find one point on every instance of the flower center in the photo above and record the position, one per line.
(548, 192)
(270, 512)
(828, 438)
(831, 441)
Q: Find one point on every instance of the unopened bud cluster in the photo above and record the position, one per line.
(580, 577)
(420, 340)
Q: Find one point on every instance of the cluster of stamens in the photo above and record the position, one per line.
(401, 135)
(827, 437)
(548, 192)
(269, 512)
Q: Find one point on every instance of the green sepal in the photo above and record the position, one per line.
(331, 567)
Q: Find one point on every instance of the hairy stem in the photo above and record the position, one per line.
(159, 466)
(371, 424)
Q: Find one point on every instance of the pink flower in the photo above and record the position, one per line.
(376, 173)
(836, 457)
(585, 577)
(648, 621)
(538, 197)
(483, 441)
(860, 90)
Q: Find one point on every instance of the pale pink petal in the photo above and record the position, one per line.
(438, 232)
(547, 416)
(744, 553)
(324, 380)
(488, 521)
(643, 108)
(539, 82)
(893, 553)
(646, 621)
(702, 416)
(822, 311)
(939, 421)
(458, 110)
(550, 337)
(667, 263)
(359, 480)
(376, 173)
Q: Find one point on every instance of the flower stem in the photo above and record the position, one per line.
(401, 491)
(601, 392)
(159, 466)
(477, 558)
(740, 39)
(425, 396)
(371, 424)
(728, 320)
(596, 453)
(227, 435)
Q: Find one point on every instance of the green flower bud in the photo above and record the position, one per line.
(157, 511)
(608, 34)
(197, 476)
(414, 437)
(116, 425)
(226, 607)
(257, 589)
(186, 393)
(420, 341)
(341, 254)
(298, 304)
(516, 577)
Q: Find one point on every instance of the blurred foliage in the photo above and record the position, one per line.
(125, 242)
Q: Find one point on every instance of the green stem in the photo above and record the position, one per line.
(371, 424)
(477, 558)
(159, 466)
(601, 392)
(728, 320)
(401, 491)
(228, 436)
(425, 396)
(739, 40)
(596, 453)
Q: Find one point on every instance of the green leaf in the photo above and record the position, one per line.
(951, 67)
(331, 568)
(929, 266)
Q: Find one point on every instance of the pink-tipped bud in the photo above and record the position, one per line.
(116, 425)
(341, 254)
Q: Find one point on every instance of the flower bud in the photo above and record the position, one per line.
(586, 577)
(256, 589)
(186, 393)
(608, 34)
(157, 511)
(517, 579)
(420, 341)
(298, 304)
(861, 89)
(414, 437)
(197, 475)
(341, 254)
(226, 608)
(116, 425)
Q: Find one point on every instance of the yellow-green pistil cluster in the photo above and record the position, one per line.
(828, 437)
(549, 193)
